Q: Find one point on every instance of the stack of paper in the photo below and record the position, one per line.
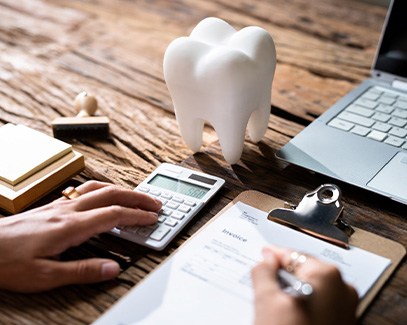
(31, 165)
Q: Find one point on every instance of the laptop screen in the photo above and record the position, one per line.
(392, 56)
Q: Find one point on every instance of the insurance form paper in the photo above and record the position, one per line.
(208, 280)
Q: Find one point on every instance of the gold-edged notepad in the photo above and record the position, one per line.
(31, 165)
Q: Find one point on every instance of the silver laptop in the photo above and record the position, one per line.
(362, 139)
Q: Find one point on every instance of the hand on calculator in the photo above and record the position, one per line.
(31, 241)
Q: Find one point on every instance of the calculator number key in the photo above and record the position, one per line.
(178, 215)
(145, 231)
(184, 208)
(190, 203)
(160, 233)
(171, 222)
(172, 205)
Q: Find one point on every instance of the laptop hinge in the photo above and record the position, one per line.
(402, 85)
(390, 79)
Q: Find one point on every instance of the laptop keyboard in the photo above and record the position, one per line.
(379, 114)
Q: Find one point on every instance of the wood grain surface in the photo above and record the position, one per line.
(50, 50)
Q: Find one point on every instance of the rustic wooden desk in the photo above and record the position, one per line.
(52, 49)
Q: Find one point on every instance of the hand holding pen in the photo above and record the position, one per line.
(321, 297)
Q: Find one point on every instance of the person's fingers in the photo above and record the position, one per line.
(352, 294)
(80, 226)
(94, 194)
(51, 274)
(90, 186)
(114, 195)
(312, 270)
(86, 187)
(296, 262)
(106, 218)
(264, 275)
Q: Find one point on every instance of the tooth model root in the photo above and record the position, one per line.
(221, 76)
(258, 121)
(231, 139)
(191, 132)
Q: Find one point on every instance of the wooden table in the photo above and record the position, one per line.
(52, 49)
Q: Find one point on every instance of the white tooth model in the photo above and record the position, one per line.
(221, 76)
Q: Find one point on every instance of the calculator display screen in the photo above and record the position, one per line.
(179, 186)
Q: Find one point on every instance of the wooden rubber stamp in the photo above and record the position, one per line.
(85, 124)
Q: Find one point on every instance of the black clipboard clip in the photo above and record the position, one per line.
(319, 214)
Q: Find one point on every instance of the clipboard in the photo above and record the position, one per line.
(158, 297)
(360, 238)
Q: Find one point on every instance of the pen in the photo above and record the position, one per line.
(292, 285)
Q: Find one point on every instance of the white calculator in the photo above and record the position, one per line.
(183, 192)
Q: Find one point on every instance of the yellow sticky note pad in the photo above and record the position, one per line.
(25, 151)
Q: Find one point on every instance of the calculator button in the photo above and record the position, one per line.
(178, 199)
(190, 203)
(184, 208)
(143, 189)
(178, 215)
(145, 231)
(166, 195)
(172, 205)
(155, 192)
(131, 229)
(166, 212)
(116, 230)
(160, 233)
(171, 222)
(163, 201)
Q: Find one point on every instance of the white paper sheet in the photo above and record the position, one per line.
(208, 280)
